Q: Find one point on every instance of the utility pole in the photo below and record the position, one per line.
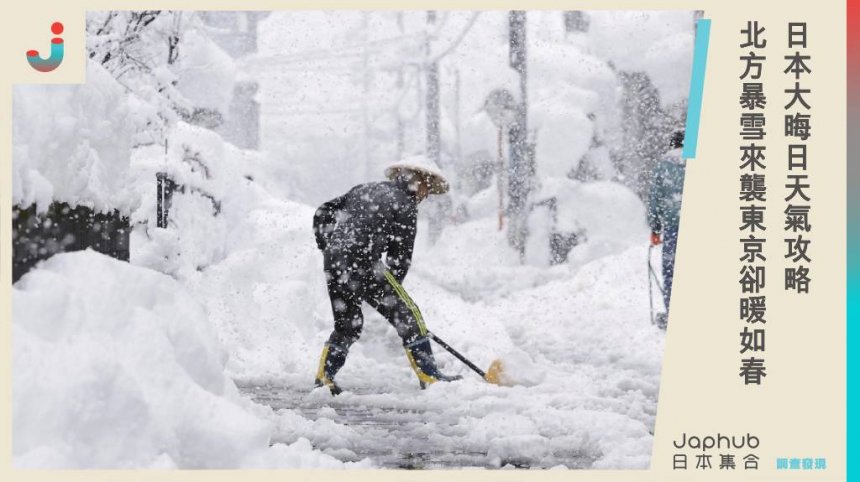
(365, 92)
(432, 100)
(522, 167)
(401, 146)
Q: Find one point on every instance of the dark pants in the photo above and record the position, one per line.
(670, 241)
(350, 284)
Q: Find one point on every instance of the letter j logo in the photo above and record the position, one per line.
(56, 57)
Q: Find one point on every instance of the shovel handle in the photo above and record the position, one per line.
(457, 355)
(653, 273)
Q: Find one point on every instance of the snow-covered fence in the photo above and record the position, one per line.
(36, 236)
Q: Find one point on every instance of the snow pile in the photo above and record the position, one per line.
(264, 296)
(116, 366)
(215, 184)
(659, 43)
(249, 264)
(205, 73)
(609, 215)
(474, 257)
(72, 143)
(572, 95)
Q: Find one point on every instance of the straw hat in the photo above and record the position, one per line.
(421, 166)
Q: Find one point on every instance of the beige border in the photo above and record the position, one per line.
(802, 410)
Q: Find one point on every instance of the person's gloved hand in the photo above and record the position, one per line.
(655, 239)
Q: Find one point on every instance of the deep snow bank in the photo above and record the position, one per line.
(267, 297)
(72, 143)
(117, 366)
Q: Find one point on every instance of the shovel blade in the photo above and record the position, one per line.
(496, 373)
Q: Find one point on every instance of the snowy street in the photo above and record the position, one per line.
(174, 275)
(474, 424)
(586, 364)
(397, 435)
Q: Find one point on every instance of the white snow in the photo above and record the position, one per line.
(659, 43)
(117, 366)
(575, 338)
(72, 143)
(205, 73)
(120, 365)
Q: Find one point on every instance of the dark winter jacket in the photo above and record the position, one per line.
(371, 219)
(664, 200)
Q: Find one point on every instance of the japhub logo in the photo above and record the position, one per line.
(56, 57)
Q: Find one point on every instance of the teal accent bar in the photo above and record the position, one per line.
(697, 85)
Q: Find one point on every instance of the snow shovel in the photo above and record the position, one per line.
(493, 374)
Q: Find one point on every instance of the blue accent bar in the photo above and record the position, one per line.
(697, 85)
(852, 318)
(852, 328)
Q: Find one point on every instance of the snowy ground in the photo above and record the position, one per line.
(576, 338)
(201, 352)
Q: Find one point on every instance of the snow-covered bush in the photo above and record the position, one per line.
(81, 152)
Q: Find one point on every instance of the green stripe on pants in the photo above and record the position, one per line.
(406, 299)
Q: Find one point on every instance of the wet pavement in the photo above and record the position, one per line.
(399, 438)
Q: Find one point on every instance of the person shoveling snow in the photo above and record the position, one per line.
(353, 231)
